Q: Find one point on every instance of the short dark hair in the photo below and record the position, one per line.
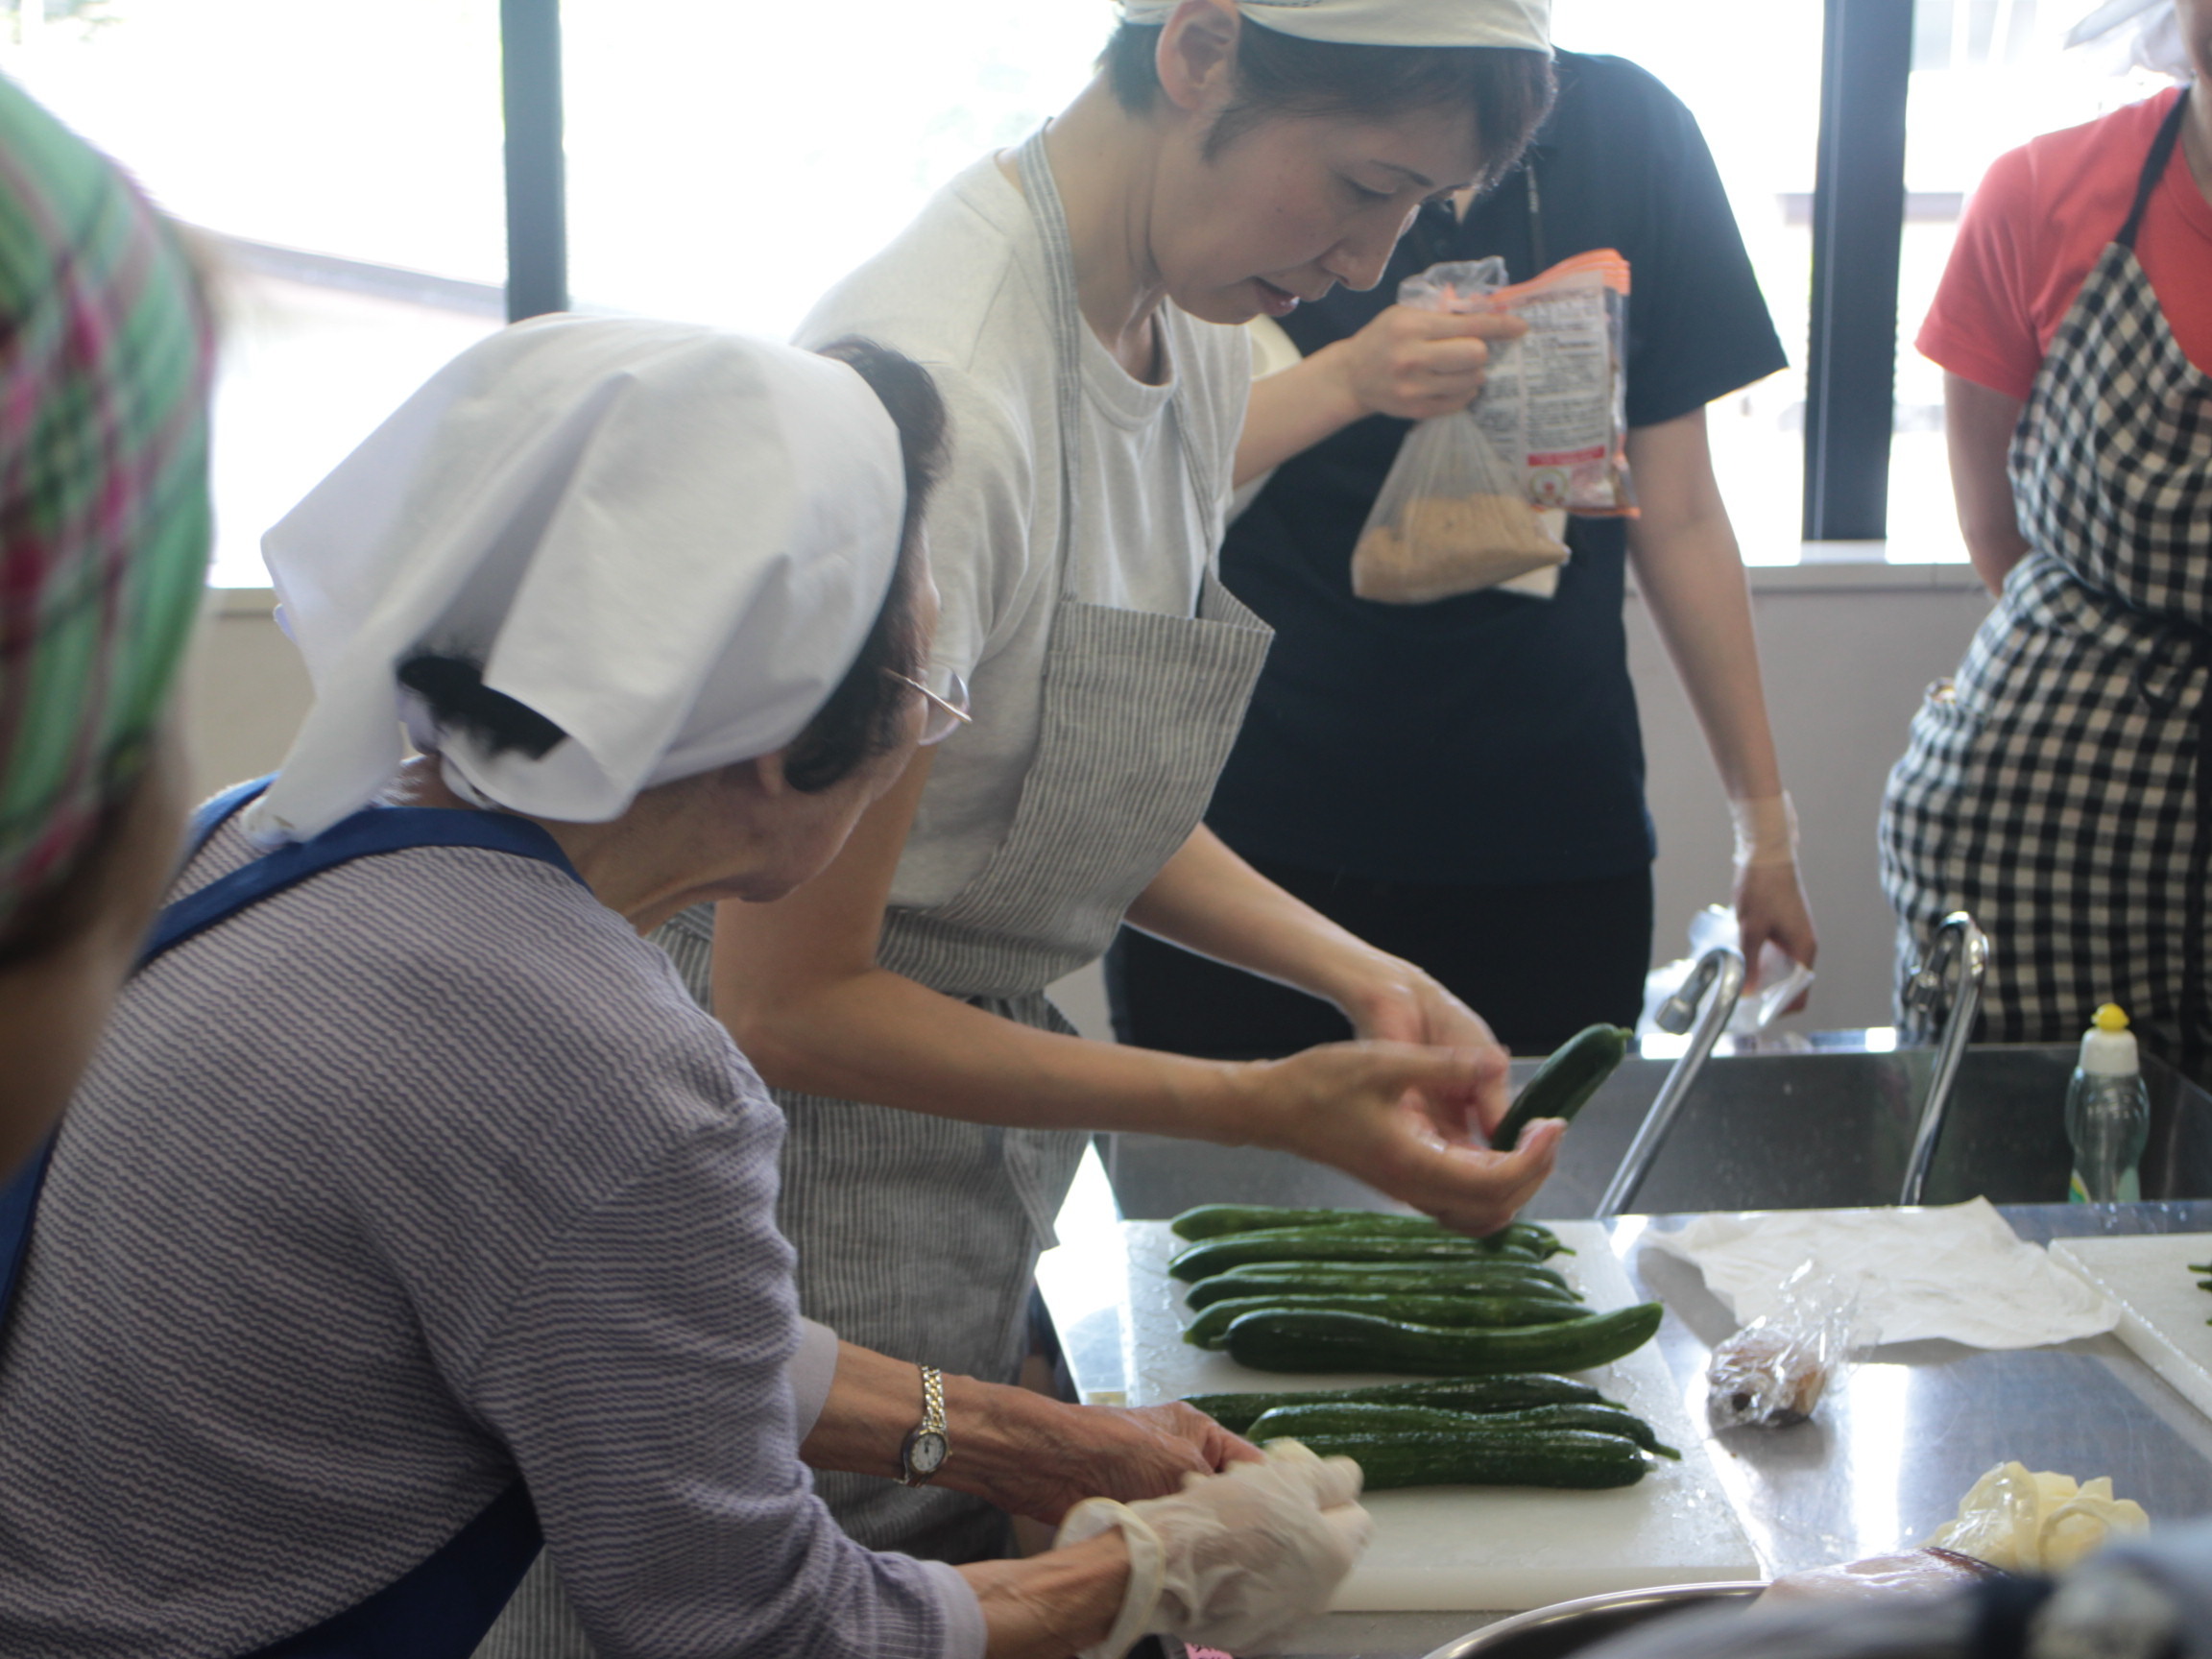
(861, 718)
(1507, 88)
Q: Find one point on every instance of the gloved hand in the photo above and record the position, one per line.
(1233, 1560)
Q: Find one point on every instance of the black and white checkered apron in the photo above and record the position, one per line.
(2060, 789)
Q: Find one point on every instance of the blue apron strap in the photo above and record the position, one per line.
(368, 832)
(442, 1607)
(214, 812)
(17, 1203)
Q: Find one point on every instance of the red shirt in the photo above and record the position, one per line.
(2039, 221)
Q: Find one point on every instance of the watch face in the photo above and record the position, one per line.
(924, 1452)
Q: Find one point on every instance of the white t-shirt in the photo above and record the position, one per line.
(965, 292)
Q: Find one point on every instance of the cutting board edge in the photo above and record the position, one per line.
(2187, 1376)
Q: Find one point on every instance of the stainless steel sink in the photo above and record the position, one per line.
(1815, 1129)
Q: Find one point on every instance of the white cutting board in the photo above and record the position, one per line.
(2162, 1313)
(1449, 1548)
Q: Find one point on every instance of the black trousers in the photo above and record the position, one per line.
(1538, 963)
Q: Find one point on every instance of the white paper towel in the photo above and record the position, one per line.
(1957, 1272)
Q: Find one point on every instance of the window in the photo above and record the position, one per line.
(346, 156)
(1988, 76)
(726, 165)
(1762, 128)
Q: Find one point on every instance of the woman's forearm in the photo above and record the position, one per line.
(1209, 899)
(882, 1037)
(1050, 1605)
(1292, 410)
(1691, 577)
(1978, 426)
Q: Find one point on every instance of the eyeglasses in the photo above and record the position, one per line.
(945, 712)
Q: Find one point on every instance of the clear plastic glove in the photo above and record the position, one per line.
(1233, 1560)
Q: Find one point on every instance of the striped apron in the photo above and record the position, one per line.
(918, 1236)
(2061, 789)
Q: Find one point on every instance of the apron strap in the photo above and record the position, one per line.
(368, 832)
(442, 1609)
(2153, 168)
(1043, 195)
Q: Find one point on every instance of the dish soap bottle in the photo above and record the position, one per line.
(2107, 1114)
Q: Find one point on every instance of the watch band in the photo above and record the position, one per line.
(925, 1449)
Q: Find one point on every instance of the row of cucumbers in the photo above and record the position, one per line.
(1352, 1290)
(1310, 1290)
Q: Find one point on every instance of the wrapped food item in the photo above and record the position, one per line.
(2028, 1521)
(1473, 499)
(1774, 1371)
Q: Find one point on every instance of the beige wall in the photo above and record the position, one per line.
(1847, 651)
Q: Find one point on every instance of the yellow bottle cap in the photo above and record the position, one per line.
(2112, 1018)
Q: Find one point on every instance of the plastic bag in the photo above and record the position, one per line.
(1774, 1371)
(1461, 508)
(2038, 1522)
(1782, 977)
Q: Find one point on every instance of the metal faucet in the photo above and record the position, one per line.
(1716, 981)
(1958, 941)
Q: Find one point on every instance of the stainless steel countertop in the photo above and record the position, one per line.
(1887, 1458)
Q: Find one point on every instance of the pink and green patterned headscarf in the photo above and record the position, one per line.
(105, 352)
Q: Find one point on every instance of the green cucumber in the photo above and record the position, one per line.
(1217, 1220)
(1565, 1082)
(1505, 1311)
(1213, 1220)
(1509, 1392)
(1285, 1339)
(1351, 1417)
(1210, 1255)
(1382, 1277)
(1568, 1457)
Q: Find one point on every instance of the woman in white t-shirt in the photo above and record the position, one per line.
(1232, 157)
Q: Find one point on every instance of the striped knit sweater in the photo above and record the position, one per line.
(420, 1174)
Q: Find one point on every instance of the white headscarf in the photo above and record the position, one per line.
(1521, 23)
(2135, 34)
(668, 541)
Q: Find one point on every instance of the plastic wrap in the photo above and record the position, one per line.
(1462, 507)
(1774, 1371)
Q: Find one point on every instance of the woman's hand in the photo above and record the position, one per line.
(1417, 365)
(1411, 364)
(1394, 1001)
(1039, 1458)
(1411, 1122)
(1770, 907)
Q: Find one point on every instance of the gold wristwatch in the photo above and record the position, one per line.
(926, 1449)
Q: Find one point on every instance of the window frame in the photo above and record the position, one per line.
(1858, 224)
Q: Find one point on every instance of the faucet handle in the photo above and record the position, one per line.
(1679, 1012)
(1923, 994)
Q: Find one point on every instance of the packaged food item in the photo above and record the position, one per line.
(1774, 1371)
(1464, 506)
(2030, 1522)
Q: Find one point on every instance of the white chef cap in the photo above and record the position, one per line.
(2135, 34)
(1519, 23)
(668, 541)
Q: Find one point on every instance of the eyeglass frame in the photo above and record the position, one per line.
(944, 716)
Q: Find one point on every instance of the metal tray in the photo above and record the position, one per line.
(1567, 1627)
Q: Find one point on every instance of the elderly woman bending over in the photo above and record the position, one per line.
(410, 1213)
